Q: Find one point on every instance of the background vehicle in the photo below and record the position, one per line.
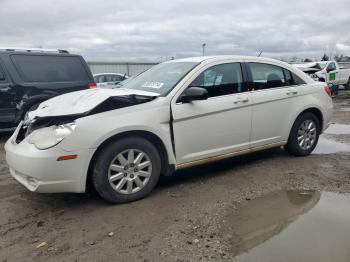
(327, 71)
(30, 76)
(175, 115)
(109, 79)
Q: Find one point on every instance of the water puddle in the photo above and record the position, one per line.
(329, 146)
(338, 129)
(290, 226)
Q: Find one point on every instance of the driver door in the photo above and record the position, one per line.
(218, 125)
(332, 74)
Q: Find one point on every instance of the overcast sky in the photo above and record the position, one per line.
(151, 30)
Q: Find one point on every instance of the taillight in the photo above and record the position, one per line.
(328, 91)
(92, 85)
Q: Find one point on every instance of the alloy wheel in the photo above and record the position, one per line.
(307, 134)
(130, 171)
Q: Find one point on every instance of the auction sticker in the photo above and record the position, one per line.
(156, 85)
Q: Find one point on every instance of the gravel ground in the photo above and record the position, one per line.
(182, 220)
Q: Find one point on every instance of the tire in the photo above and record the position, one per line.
(347, 85)
(113, 178)
(310, 137)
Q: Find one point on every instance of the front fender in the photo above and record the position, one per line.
(92, 131)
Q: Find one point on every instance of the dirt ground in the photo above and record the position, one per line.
(183, 220)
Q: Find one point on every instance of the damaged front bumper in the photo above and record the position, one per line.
(40, 170)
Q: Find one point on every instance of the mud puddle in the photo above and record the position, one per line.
(290, 226)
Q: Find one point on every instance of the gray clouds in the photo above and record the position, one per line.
(149, 30)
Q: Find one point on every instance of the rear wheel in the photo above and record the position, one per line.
(347, 85)
(304, 135)
(126, 170)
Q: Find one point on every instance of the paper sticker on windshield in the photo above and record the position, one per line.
(156, 85)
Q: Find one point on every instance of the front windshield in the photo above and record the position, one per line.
(161, 78)
(321, 65)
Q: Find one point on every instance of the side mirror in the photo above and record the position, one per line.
(194, 93)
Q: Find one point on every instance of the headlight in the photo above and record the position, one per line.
(47, 137)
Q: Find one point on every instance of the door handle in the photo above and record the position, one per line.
(292, 92)
(241, 100)
(4, 89)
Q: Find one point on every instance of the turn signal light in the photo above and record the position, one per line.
(67, 157)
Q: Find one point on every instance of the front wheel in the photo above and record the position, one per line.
(304, 135)
(126, 170)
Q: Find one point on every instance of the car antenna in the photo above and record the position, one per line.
(260, 53)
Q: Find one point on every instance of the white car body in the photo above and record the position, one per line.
(330, 73)
(191, 133)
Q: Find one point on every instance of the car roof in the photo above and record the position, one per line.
(218, 58)
(200, 59)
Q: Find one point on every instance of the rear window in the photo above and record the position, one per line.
(2, 75)
(38, 68)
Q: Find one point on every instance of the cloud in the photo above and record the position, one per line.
(155, 29)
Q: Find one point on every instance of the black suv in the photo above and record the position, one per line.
(30, 76)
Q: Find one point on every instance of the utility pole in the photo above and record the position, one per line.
(203, 47)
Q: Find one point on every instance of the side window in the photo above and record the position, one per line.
(297, 80)
(113, 78)
(331, 67)
(266, 76)
(50, 68)
(2, 75)
(221, 80)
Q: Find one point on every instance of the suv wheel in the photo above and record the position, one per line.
(126, 170)
(304, 135)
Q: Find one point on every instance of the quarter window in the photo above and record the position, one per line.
(297, 80)
(221, 79)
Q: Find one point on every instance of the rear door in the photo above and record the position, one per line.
(7, 98)
(216, 126)
(275, 98)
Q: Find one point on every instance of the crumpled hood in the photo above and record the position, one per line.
(81, 101)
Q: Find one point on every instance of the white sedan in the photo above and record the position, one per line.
(109, 79)
(175, 115)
